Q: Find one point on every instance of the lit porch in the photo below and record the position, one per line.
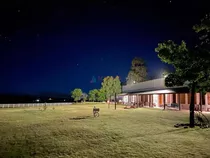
(154, 94)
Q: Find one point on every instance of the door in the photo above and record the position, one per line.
(156, 100)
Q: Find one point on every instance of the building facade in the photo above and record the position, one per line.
(154, 93)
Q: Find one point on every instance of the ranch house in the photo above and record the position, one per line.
(154, 93)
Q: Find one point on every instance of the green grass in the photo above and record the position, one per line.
(31, 132)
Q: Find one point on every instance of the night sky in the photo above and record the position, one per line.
(56, 46)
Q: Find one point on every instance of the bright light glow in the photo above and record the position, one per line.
(165, 76)
(156, 100)
(158, 92)
(134, 82)
(125, 98)
(37, 100)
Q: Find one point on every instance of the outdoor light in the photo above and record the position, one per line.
(134, 82)
(165, 76)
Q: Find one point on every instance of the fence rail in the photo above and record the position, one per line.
(31, 105)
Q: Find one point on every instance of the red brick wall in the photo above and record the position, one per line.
(182, 98)
(189, 98)
(208, 96)
(185, 106)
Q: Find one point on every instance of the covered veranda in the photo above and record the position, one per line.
(154, 94)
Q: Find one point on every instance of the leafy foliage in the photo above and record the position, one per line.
(138, 71)
(191, 64)
(173, 80)
(97, 95)
(93, 95)
(116, 85)
(101, 95)
(107, 86)
(187, 62)
(76, 94)
(110, 86)
(203, 29)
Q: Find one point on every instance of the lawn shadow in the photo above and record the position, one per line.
(79, 118)
(179, 130)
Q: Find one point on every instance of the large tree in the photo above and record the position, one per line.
(76, 94)
(101, 95)
(107, 87)
(203, 30)
(203, 46)
(111, 87)
(93, 95)
(192, 66)
(138, 71)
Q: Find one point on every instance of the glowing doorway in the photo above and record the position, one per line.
(156, 100)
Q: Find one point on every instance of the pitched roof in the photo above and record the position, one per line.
(151, 85)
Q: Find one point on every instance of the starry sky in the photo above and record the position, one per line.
(56, 46)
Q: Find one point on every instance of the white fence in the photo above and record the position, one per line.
(31, 105)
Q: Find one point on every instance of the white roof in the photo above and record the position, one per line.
(151, 85)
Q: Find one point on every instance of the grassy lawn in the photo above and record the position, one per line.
(31, 132)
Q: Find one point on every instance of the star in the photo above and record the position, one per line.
(77, 64)
(18, 10)
(170, 1)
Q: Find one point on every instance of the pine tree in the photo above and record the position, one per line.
(138, 71)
